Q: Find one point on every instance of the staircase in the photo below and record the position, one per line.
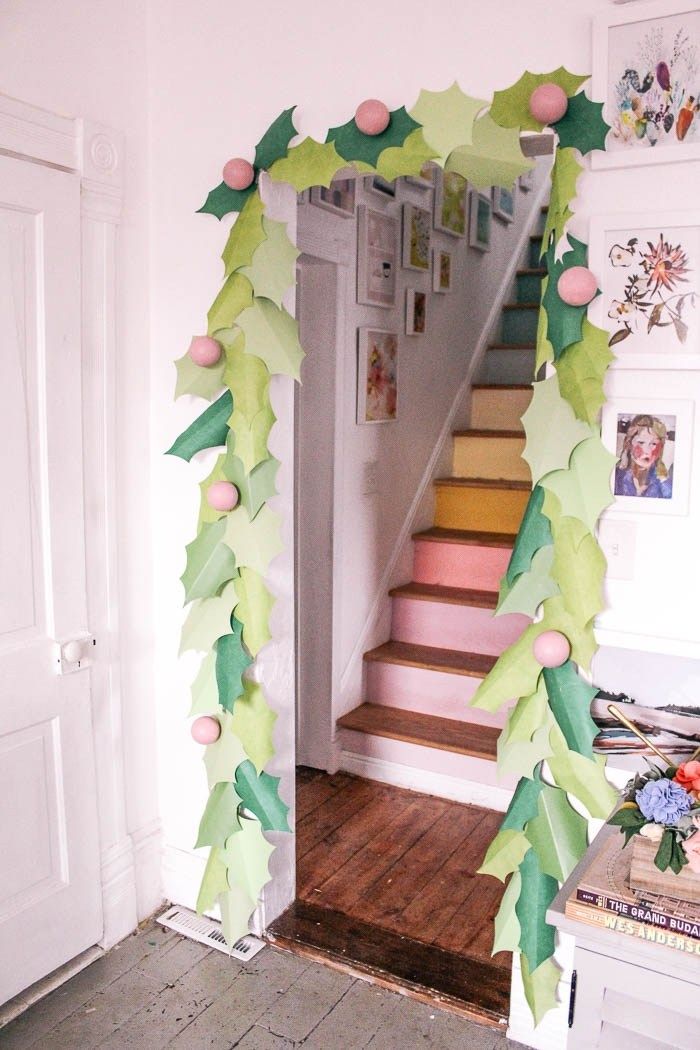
(444, 637)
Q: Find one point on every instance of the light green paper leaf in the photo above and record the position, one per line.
(581, 370)
(231, 661)
(519, 758)
(210, 563)
(220, 817)
(273, 269)
(531, 588)
(494, 157)
(582, 126)
(246, 858)
(584, 778)
(506, 926)
(447, 118)
(308, 164)
(544, 351)
(510, 108)
(245, 236)
(552, 429)
(564, 177)
(214, 882)
(528, 715)
(252, 417)
(208, 619)
(224, 756)
(556, 617)
(557, 834)
(236, 295)
(505, 854)
(408, 159)
(540, 987)
(272, 335)
(256, 487)
(537, 892)
(514, 674)
(253, 610)
(253, 721)
(570, 699)
(579, 569)
(208, 431)
(205, 695)
(254, 543)
(236, 908)
(259, 793)
(198, 381)
(534, 532)
(584, 490)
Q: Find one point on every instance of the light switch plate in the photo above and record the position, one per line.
(618, 540)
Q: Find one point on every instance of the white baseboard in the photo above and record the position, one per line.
(148, 851)
(118, 876)
(415, 779)
(552, 1031)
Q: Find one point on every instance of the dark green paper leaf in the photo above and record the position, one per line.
(208, 430)
(523, 805)
(537, 893)
(582, 126)
(223, 200)
(564, 322)
(260, 794)
(231, 661)
(570, 700)
(275, 141)
(352, 144)
(534, 532)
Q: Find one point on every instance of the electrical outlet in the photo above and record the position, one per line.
(618, 540)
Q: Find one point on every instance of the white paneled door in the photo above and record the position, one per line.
(50, 893)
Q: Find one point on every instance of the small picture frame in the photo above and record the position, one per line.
(376, 184)
(426, 179)
(503, 202)
(480, 221)
(339, 197)
(442, 270)
(377, 257)
(416, 312)
(377, 375)
(450, 204)
(416, 238)
(526, 181)
(303, 197)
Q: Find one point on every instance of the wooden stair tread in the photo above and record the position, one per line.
(511, 346)
(451, 661)
(482, 432)
(520, 306)
(532, 271)
(501, 386)
(414, 727)
(536, 237)
(471, 537)
(484, 483)
(435, 592)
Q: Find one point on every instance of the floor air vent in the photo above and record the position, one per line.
(207, 931)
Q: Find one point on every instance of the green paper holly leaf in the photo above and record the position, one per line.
(531, 588)
(520, 758)
(220, 818)
(308, 164)
(208, 514)
(208, 430)
(210, 563)
(245, 236)
(537, 892)
(273, 269)
(236, 909)
(407, 159)
(527, 716)
(510, 108)
(564, 177)
(544, 351)
(256, 487)
(272, 335)
(246, 858)
(352, 144)
(232, 659)
(252, 417)
(564, 322)
(236, 295)
(198, 381)
(208, 619)
(582, 126)
(523, 805)
(582, 777)
(259, 793)
(581, 370)
(534, 532)
(557, 834)
(494, 157)
(556, 617)
(222, 200)
(549, 414)
(570, 700)
(506, 926)
(447, 118)
(214, 882)
(253, 721)
(505, 854)
(254, 543)
(224, 756)
(540, 987)
(584, 489)
(579, 569)
(275, 141)
(514, 674)
(205, 695)
(253, 610)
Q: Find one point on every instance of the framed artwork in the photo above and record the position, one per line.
(450, 204)
(651, 439)
(377, 363)
(339, 197)
(526, 181)
(377, 257)
(479, 221)
(416, 311)
(416, 238)
(645, 67)
(303, 197)
(376, 184)
(426, 179)
(442, 270)
(648, 269)
(503, 203)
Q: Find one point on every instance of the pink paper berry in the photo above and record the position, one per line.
(222, 495)
(204, 350)
(238, 173)
(577, 286)
(548, 103)
(206, 730)
(551, 649)
(372, 117)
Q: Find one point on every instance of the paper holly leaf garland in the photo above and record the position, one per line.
(253, 721)
(254, 543)
(235, 296)
(540, 986)
(275, 142)
(544, 351)
(584, 489)
(208, 431)
(272, 271)
(537, 892)
(505, 854)
(205, 694)
(213, 883)
(245, 236)
(534, 532)
(236, 908)
(352, 144)
(272, 335)
(246, 858)
(222, 200)
(493, 158)
(220, 818)
(253, 610)
(259, 793)
(198, 381)
(579, 569)
(558, 834)
(254, 487)
(581, 370)
(520, 758)
(523, 805)
(308, 164)
(564, 322)
(252, 417)
(548, 414)
(407, 159)
(564, 177)
(570, 700)
(510, 108)
(531, 588)
(582, 126)
(514, 674)
(210, 563)
(232, 659)
(224, 756)
(582, 777)
(506, 925)
(447, 118)
(208, 619)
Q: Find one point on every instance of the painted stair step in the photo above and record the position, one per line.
(427, 691)
(455, 627)
(445, 734)
(490, 454)
(509, 364)
(519, 322)
(534, 259)
(496, 406)
(453, 558)
(451, 661)
(528, 284)
(480, 503)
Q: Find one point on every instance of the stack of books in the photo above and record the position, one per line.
(604, 898)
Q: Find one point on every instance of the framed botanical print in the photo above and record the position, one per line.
(503, 203)
(416, 238)
(450, 204)
(442, 270)
(479, 221)
(377, 373)
(416, 312)
(339, 197)
(377, 257)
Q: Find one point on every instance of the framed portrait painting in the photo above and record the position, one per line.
(648, 270)
(377, 375)
(450, 204)
(645, 67)
(416, 238)
(339, 197)
(377, 257)
(416, 312)
(480, 221)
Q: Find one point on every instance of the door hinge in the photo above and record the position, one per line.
(572, 998)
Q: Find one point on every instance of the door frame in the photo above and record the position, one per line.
(94, 153)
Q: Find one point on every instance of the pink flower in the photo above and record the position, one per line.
(688, 776)
(692, 851)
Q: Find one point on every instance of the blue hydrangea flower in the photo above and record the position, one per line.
(663, 801)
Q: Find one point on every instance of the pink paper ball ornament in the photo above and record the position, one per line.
(205, 729)
(238, 173)
(551, 649)
(577, 286)
(372, 117)
(548, 103)
(204, 351)
(222, 495)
